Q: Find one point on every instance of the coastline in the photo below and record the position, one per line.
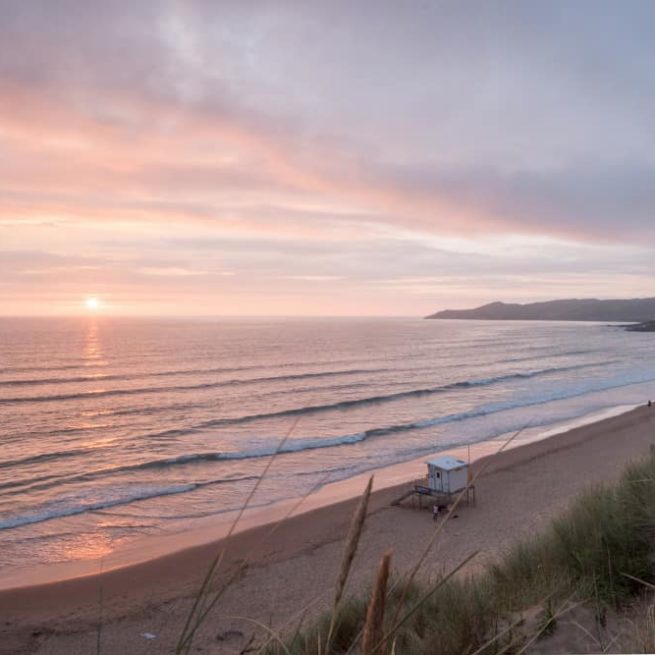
(516, 479)
(216, 528)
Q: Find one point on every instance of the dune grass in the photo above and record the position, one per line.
(599, 552)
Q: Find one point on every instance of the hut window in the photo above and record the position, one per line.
(438, 474)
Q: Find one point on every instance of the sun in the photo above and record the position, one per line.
(92, 304)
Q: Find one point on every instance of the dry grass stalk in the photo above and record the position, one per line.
(202, 606)
(440, 526)
(397, 621)
(640, 581)
(398, 624)
(650, 629)
(565, 607)
(352, 543)
(496, 638)
(241, 568)
(427, 595)
(506, 632)
(272, 634)
(374, 630)
(298, 616)
(642, 635)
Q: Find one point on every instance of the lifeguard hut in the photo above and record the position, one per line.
(447, 475)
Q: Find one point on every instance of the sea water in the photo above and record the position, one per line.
(115, 429)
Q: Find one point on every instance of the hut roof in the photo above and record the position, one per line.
(447, 463)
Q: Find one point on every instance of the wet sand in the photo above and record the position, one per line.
(292, 570)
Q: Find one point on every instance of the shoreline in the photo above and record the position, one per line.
(397, 475)
(168, 576)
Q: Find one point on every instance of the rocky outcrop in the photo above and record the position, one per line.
(637, 310)
(646, 326)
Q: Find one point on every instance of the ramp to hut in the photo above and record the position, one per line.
(405, 496)
(419, 491)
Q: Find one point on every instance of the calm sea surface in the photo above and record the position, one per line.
(114, 429)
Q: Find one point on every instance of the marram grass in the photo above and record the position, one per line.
(595, 553)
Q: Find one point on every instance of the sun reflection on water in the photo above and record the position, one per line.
(87, 546)
(93, 354)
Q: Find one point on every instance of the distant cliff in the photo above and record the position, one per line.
(638, 310)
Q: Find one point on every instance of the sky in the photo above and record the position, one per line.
(221, 157)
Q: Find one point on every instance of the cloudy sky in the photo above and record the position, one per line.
(335, 157)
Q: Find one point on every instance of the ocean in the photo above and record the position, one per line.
(116, 429)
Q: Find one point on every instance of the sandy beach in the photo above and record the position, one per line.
(291, 567)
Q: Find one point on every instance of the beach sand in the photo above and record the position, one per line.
(292, 571)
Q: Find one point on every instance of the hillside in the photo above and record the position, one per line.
(588, 309)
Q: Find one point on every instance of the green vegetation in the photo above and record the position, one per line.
(600, 553)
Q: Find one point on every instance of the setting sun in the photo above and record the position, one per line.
(92, 304)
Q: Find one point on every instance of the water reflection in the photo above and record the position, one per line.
(93, 354)
(85, 546)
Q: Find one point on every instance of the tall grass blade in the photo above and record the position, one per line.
(374, 629)
(427, 595)
(199, 605)
(558, 614)
(451, 511)
(202, 615)
(273, 635)
(352, 543)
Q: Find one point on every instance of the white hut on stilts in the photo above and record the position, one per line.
(447, 478)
